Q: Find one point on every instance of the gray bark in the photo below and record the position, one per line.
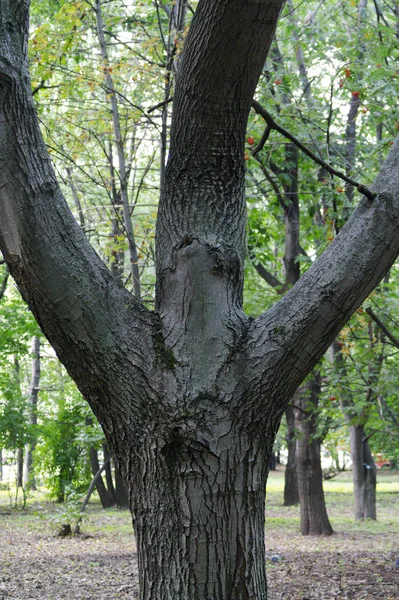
(190, 396)
(20, 468)
(121, 495)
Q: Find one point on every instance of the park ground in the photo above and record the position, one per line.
(357, 562)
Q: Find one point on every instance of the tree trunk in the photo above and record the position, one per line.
(364, 471)
(121, 495)
(1, 464)
(105, 497)
(314, 518)
(291, 495)
(20, 468)
(29, 472)
(364, 474)
(108, 473)
(198, 510)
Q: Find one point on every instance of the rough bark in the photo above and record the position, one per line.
(314, 519)
(190, 396)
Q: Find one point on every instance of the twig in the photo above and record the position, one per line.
(159, 105)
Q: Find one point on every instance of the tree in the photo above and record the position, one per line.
(189, 396)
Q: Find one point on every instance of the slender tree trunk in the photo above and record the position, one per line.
(108, 473)
(106, 498)
(291, 494)
(29, 472)
(1, 464)
(20, 468)
(364, 474)
(121, 495)
(314, 519)
(123, 174)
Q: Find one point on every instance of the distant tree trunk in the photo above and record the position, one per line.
(291, 495)
(20, 468)
(121, 496)
(364, 471)
(1, 464)
(29, 472)
(105, 497)
(314, 518)
(364, 474)
(108, 472)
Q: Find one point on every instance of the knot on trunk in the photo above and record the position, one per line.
(224, 257)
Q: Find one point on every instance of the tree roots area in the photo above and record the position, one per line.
(357, 562)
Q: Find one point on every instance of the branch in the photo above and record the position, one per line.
(268, 277)
(383, 328)
(273, 125)
(160, 105)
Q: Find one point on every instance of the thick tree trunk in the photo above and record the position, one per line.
(364, 474)
(314, 518)
(198, 505)
(291, 494)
